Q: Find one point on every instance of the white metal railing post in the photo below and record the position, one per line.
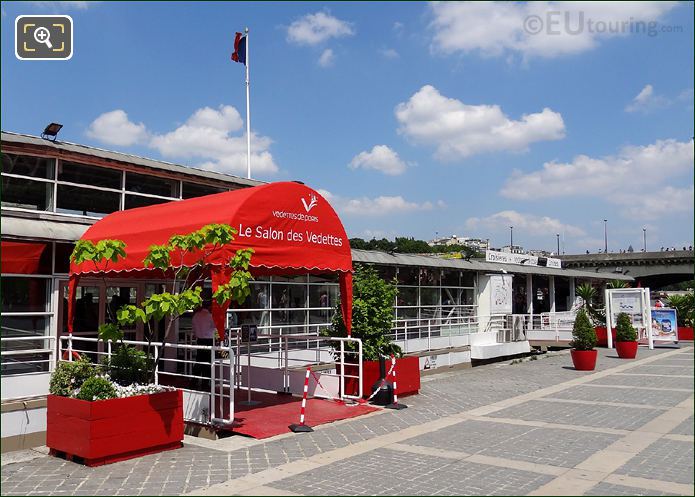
(360, 391)
(405, 337)
(156, 369)
(212, 403)
(286, 374)
(429, 334)
(69, 347)
(342, 368)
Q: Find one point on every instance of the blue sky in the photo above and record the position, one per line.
(412, 118)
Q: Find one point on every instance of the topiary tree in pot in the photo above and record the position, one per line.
(583, 343)
(626, 337)
(372, 320)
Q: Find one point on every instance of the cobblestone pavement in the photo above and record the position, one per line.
(535, 428)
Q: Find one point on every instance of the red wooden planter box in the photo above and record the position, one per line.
(407, 376)
(106, 431)
(685, 333)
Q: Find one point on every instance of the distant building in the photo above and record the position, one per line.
(541, 253)
(513, 249)
(474, 243)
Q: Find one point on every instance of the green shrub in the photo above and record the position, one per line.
(69, 376)
(372, 315)
(624, 331)
(583, 333)
(685, 308)
(96, 388)
(127, 365)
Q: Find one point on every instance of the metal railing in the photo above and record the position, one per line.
(14, 348)
(276, 370)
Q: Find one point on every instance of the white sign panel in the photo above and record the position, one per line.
(556, 263)
(508, 258)
(635, 303)
(500, 294)
(628, 302)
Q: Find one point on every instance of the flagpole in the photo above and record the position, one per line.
(248, 111)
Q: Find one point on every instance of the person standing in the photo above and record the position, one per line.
(204, 331)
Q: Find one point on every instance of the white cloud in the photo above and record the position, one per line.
(633, 179)
(206, 135)
(55, 6)
(528, 224)
(646, 101)
(660, 203)
(538, 29)
(380, 158)
(389, 53)
(327, 58)
(378, 206)
(458, 130)
(114, 128)
(313, 29)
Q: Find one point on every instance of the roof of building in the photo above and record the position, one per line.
(377, 257)
(58, 146)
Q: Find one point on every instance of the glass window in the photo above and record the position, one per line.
(63, 252)
(87, 202)
(429, 276)
(468, 279)
(386, 273)
(429, 296)
(154, 185)
(408, 275)
(27, 194)
(23, 257)
(191, 190)
(25, 326)
(89, 175)
(26, 165)
(25, 294)
(133, 201)
(450, 277)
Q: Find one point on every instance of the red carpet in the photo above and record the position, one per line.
(276, 412)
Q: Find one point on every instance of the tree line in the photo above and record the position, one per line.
(405, 245)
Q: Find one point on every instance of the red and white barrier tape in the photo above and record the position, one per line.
(383, 380)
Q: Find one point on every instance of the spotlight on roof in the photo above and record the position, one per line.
(51, 131)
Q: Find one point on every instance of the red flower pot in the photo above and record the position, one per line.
(106, 431)
(626, 350)
(602, 336)
(584, 360)
(685, 333)
(407, 376)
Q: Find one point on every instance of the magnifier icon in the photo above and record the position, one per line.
(43, 35)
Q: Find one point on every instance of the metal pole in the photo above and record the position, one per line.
(605, 236)
(644, 232)
(558, 243)
(511, 238)
(248, 110)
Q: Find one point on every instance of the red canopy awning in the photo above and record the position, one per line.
(291, 227)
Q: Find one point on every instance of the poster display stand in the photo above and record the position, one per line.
(635, 303)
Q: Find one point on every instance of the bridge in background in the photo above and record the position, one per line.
(650, 269)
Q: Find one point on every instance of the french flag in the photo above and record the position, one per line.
(239, 54)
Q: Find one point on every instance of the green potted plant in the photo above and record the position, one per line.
(597, 317)
(626, 337)
(372, 319)
(685, 313)
(583, 343)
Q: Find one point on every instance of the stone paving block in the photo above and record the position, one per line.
(666, 460)
(667, 370)
(612, 489)
(401, 473)
(685, 428)
(622, 418)
(663, 398)
(640, 381)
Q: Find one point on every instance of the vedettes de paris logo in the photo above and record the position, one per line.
(312, 203)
